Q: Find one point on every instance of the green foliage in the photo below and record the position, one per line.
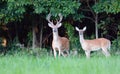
(13, 46)
(40, 52)
(108, 6)
(78, 16)
(74, 40)
(55, 7)
(11, 10)
(115, 46)
(102, 25)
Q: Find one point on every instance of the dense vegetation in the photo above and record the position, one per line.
(23, 23)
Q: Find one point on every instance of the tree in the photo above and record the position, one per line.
(12, 10)
(108, 6)
(96, 7)
(93, 15)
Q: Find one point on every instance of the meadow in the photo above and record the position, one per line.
(27, 64)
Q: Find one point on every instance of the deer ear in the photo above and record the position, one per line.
(84, 28)
(59, 25)
(77, 28)
(50, 25)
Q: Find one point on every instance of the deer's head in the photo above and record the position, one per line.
(52, 25)
(80, 30)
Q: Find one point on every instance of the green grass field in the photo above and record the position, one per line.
(48, 65)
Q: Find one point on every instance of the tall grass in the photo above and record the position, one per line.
(24, 64)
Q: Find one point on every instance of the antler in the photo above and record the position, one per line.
(60, 15)
(48, 18)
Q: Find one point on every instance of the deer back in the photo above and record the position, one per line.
(96, 44)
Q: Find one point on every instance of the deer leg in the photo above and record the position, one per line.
(105, 52)
(54, 53)
(87, 54)
(62, 54)
(59, 52)
(67, 52)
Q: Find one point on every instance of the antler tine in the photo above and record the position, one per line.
(48, 18)
(60, 15)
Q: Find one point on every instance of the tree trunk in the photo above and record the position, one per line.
(95, 15)
(41, 33)
(96, 23)
(96, 27)
(34, 38)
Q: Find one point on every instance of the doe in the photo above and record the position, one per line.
(93, 45)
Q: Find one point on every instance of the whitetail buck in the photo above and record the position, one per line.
(60, 44)
(93, 45)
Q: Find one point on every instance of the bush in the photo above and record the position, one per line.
(2, 48)
(41, 52)
(115, 46)
(74, 40)
(14, 46)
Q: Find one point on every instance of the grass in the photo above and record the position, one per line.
(24, 64)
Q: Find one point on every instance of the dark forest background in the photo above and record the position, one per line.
(23, 24)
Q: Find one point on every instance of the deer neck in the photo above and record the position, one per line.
(55, 35)
(81, 38)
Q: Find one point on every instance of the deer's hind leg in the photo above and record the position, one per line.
(62, 54)
(105, 52)
(67, 52)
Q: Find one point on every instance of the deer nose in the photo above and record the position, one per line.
(81, 33)
(54, 30)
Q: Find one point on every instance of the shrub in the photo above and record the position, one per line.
(74, 40)
(2, 48)
(115, 46)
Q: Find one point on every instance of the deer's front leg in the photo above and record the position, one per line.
(54, 53)
(87, 54)
(59, 52)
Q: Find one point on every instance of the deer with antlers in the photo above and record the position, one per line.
(93, 45)
(60, 44)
